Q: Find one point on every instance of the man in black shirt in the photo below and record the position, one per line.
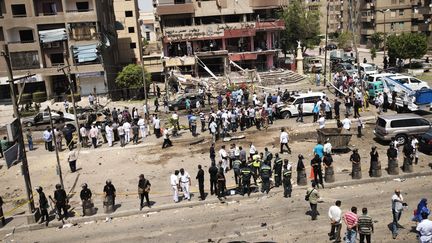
(85, 196)
(246, 173)
(43, 206)
(355, 160)
(212, 154)
(200, 178)
(213, 170)
(2, 217)
(316, 165)
(408, 152)
(110, 191)
(60, 200)
(374, 159)
(143, 190)
(337, 104)
(277, 170)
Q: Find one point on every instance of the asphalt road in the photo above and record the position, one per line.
(268, 218)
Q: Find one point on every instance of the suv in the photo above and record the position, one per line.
(313, 65)
(400, 127)
(180, 102)
(308, 100)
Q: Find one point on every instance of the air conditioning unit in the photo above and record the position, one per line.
(46, 45)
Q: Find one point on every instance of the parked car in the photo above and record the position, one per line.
(313, 65)
(331, 46)
(44, 118)
(308, 100)
(400, 126)
(425, 142)
(377, 77)
(366, 68)
(410, 82)
(345, 67)
(180, 102)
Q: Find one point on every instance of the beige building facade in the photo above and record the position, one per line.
(44, 35)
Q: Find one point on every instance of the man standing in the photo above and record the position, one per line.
(246, 173)
(212, 153)
(287, 175)
(351, 221)
(213, 170)
(397, 208)
(72, 158)
(335, 215)
(365, 226)
(213, 130)
(312, 196)
(110, 192)
(200, 179)
(224, 158)
(60, 200)
(127, 128)
(265, 173)
(43, 206)
(156, 126)
(167, 142)
(300, 112)
(185, 182)
(135, 132)
(317, 170)
(346, 123)
(29, 137)
(94, 135)
(336, 108)
(85, 196)
(277, 168)
(109, 134)
(175, 119)
(143, 191)
(424, 228)
(2, 217)
(174, 181)
(121, 133)
(356, 165)
(84, 136)
(236, 164)
(284, 139)
(142, 127)
(48, 138)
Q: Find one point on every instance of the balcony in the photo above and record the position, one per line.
(169, 9)
(262, 4)
(52, 8)
(270, 25)
(77, 11)
(23, 46)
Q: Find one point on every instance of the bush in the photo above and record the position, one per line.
(26, 99)
(39, 97)
(77, 97)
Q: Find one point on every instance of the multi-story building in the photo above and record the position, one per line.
(43, 35)
(126, 15)
(394, 17)
(151, 32)
(199, 34)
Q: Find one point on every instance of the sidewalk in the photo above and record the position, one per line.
(130, 207)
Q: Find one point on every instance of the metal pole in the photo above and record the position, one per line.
(56, 149)
(385, 34)
(141, 53)
(68, 75)
(24, 166)
(325, 47)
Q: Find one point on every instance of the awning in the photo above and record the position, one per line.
(47, 36)
(33, 79)
(85, 53)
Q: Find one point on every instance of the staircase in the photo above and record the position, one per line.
(280, 77)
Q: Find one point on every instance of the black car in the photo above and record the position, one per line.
(425, 142)
(331, 46)
(180, 102)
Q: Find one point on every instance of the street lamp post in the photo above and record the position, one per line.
(385, 34)
(325, 47)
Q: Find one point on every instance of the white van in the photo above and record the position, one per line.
(376, 77)
(308, 100)
(367, 69)
(410, 82)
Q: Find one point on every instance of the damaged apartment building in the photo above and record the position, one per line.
(42, 35)
(197, 34)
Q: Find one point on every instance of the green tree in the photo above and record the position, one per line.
(373, 53)
(300, 25)
(377, 39)
(344, 40)
(131, 77)
(407, 46)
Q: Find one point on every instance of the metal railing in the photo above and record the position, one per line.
(79, 10)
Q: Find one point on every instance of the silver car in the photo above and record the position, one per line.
(400, 126)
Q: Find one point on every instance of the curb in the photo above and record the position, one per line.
(180, 205)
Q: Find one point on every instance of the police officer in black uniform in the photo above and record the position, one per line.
(85, 196)
(110, 191)
(213, 170)
(287, 174)
(60, 200)
(277, 168)
(246, 174)
(43, 206)
(265, 173)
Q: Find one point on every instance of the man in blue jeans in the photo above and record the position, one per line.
(351, 221)
(397, 207)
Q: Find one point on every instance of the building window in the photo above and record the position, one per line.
(131, 30)
(56, 59)
(128, 13)
(19, 10)
(82, 6)
(401, 12)
(147, 36)
(24, 60)
(26, 36)
(132, 45)
(179, 1)
(49, 8)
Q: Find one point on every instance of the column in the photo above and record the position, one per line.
(269, 61)
(252, 43)
(269, 41)
(223, 44)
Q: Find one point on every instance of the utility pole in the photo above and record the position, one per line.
(59, 171)
(68, 75)
(355, 45)
(141, 53)
(325, 47)
(24, 166)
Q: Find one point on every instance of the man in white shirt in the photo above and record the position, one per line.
(72, 158)
(185, 182)
(127, 127)
(284, 139)
(48, 137)
(424, 228)
(252, 150)
(109, 134)
(346, 123)
(156, 125)
(213, 130)
(327, 147)
(142, 127)
(175, 118)
(94, 132)
(84, 136)
(397, 208)
(335, 215)
(224, 157)
(414, 144)
(321, 122)
(174, 182)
